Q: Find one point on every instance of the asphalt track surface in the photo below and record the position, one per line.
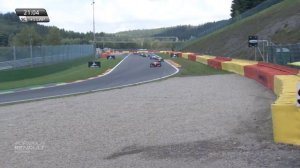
(132, 70)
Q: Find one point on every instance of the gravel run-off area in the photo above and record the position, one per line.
(219, 121)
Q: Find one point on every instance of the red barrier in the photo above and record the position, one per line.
(180, 54)
(250, 71)
(192, 57)
(104, 55)
(279, 67)
(224, 58)
(264, 73)
(217, 62)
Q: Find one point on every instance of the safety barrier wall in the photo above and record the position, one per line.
(285, 113)
(180, 55)
(237, 66)
(280, 79)
(285, 84)
(264, 73)
(286, 123)
(217, 62)
(192, 57)
(186, 55)
(104, 55)
(203, 58)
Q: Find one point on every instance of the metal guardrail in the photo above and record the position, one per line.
(15, 57)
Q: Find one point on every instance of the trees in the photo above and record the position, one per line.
(27, 36)
(240, 6)
(53, 37)
(3, 39)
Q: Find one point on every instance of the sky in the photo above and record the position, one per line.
(120, 15)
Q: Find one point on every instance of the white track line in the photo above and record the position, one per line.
(6, 92)
(36, 88)
(67, 83)
(97, 90)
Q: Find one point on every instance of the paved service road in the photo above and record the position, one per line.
(133, 69)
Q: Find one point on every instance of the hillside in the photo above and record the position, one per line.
(141, 32)
(183, 32)
(279, 24)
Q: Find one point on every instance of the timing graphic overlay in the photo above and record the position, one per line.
(32, 14)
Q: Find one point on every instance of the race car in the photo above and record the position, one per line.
(174, 55)
(111, 57)
(158, 58)
(143, 54)
(155, 64)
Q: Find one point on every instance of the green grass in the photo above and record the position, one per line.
(57, 73)
(274, 24)
(191, 68)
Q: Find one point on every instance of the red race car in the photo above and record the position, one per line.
(155, 64)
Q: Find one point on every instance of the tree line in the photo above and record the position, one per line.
(15, 33)
(187, 32)
(240, 6)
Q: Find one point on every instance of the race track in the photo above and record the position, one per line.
(132, 70)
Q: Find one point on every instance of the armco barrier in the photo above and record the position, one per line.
(217, 62)
(192, 57)
(203, 58)
(264, 73)
(236, 66)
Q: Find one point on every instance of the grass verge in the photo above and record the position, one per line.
(56, 73)
(191, 68)
(276, 23)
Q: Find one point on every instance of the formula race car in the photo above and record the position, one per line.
(155, 64)
(111, 57)
(173, 55)
(143, 55)
(158, 58)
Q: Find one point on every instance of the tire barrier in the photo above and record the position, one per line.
(236, 66)
(203, 58)
(217, 62)
(283, 82)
